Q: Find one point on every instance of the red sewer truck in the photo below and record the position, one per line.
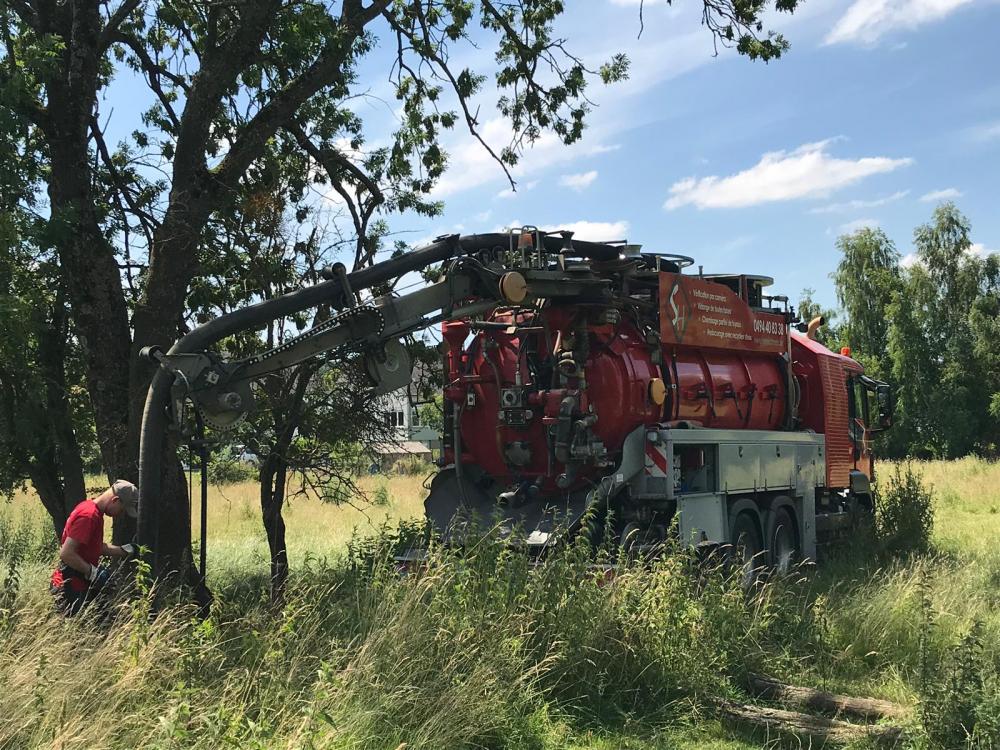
(580, 377)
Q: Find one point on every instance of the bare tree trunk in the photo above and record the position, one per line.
(42, 442)
(33, 452)
(87, 259)
(273, 481)
(286, 413)
(871, 709)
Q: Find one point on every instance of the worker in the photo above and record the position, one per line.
(79, 578)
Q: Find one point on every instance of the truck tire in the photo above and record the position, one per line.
(783, 546)
(748, 548)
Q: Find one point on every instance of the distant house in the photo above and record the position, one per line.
(403, 418)
(398, 413)
(391, 454)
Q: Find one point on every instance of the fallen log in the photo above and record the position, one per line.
(820, 700)
(818, 730)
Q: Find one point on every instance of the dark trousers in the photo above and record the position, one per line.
(69, 601)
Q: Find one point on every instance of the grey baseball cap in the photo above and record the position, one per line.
(128, 494)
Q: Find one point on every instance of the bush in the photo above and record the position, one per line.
(28, 540)
(414, 466)
(960, 697)
(904, 512)
(380, 497)
(226, 467)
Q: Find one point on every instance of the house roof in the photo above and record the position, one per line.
(404, 446)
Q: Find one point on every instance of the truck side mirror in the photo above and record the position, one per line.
(886, 401)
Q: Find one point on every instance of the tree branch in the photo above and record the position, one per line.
(357, 16)
(116, 19)
(24, 12)
(220, 67)
(330, 159)
(148, 64)
(428, 50)
(153, 73)
(121, 184)
(250, 141)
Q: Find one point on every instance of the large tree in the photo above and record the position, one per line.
(941, 359)
(867, 279)
(40, 378)
(237, 85)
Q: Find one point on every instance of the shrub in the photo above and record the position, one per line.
(413, 466)
(904, 512)
(959, 697)
(226, 467)
(380, 497)
(30, 539)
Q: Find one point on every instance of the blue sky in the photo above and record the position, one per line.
(880, 109)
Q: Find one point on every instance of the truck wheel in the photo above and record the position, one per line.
(783, 541)
(747, 546)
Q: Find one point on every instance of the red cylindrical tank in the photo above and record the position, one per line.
(611, 392)
(728, 389)
(725, 357)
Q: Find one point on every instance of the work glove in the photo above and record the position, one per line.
(98, 577)
(131, 551)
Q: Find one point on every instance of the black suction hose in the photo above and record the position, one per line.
(154, 416)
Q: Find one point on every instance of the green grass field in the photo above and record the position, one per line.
(489, 653)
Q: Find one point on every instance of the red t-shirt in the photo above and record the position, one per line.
(85, 525)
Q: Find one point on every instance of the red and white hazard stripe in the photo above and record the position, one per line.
(656, 460)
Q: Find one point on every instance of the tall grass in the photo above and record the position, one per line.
(487, 651)
(479, 650)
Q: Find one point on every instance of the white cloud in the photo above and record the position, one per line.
(578, 182)
(524, 187)
(837, 208)
(979, 249)
(807, 172)
(592, 231)
(868, 20)
(940, 195)
(986, 132)
(483, 216)
(603, 149)
(854, 226)
(470, 165)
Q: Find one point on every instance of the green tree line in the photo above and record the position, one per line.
(929, 324)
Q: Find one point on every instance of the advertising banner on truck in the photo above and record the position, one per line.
(701, 313)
